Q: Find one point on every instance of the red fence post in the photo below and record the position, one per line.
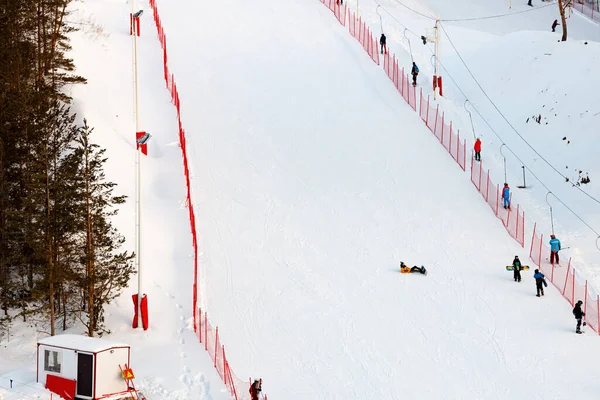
(442, 136)
(566, 280)
(532, 237)
(427, 115)
(585, 298)
(216, 344)
(573, 288)
(205, 331)
(540, 255)
(437, 113)
(224, 364)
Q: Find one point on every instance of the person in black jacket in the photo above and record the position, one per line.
(382, 41)
(517, 268)
(579, 314)
(414, 72)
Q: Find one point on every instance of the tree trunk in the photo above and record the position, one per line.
(51, 290)
(90, 249)
(563, 19)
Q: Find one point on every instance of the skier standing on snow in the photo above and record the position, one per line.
(382, 41)
(506, 196)
(554, 25)
(540, 282)
(517, 268)
(554, 249)
(477, 148)
(255, 389)
(579, 314)
(414, 72)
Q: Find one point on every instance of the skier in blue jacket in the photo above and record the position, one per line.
(540, 282)
(506, 196)
(554, 249)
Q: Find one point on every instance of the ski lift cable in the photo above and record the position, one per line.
(496, 16)
(415, 11)
(473, 18)
(470, 117)
(508, 122)
(516, 156)
(489, 125)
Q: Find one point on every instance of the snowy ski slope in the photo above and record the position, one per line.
(312, 180)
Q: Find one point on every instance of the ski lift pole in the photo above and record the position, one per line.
(524, 185)
(504, 157)
(470, 118)
(437, 55)
(551, 215)
(380, 18)
(409, 45)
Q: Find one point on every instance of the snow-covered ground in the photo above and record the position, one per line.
(167, 360)
(313, 179)
(526, 72)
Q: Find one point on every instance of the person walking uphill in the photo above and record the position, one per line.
(554, 25)
(414, 72)
(506, 196)
(382, 42)
(517, 268)
(540, 282)
(477, 149)
(579, 314)
(554, 249)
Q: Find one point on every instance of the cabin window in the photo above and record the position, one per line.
(52, 361)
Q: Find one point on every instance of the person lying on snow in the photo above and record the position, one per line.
(407, 270)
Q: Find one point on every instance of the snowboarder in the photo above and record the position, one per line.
(517, 268)
(554, 249)
(579, 314)
(382, 41)
(477, 148)
(414, 72)
(554, 25)
(405, 269)
(506, 196)
(540, 282)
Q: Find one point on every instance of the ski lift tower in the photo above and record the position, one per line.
(433, 35)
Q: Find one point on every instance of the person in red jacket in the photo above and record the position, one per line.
(477, 149)
(255, 389)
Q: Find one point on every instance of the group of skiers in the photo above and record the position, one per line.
(505, 188)
(540, 279)
(414, 71)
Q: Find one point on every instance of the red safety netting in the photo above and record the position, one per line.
(400, 79)
(514, 221)
(209, 336)
(444, 132)
(589, 9)
(201, 325)
(337, 9)
(512, 218)
(361, 32)
(535, 251)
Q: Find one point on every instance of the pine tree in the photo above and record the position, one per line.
(106, 271)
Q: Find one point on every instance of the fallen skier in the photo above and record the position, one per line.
(404, 269)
